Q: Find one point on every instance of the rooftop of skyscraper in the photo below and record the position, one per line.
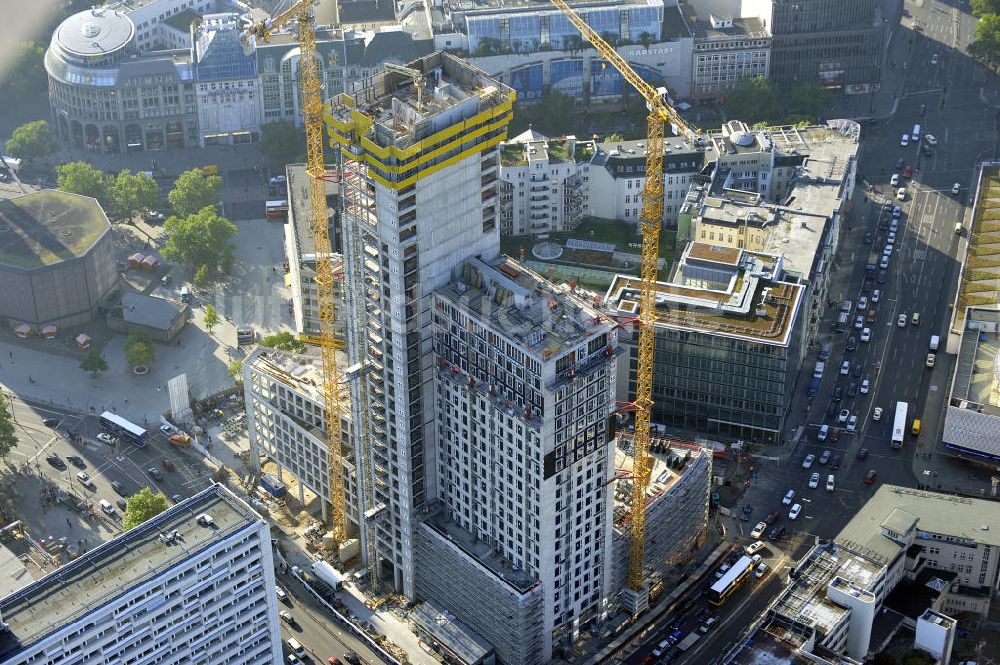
(719, 290)
(543, 317)
(398, 114)
(302, 372)
(109, 570)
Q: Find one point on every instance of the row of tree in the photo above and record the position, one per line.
(986, 47)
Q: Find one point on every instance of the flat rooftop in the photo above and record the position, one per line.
(712, 294)
(473, 7)
(303, 372)
(300, 208)
(454, 90)
(972, 417)
(182, 20)
(458, 638)
(48, 227)
(701, 26)
(519, 580)
(661, 477)
(805, 600)
(543, 318)
(131, 559)
(150, 311)
(974, 520)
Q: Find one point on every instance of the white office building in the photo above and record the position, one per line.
(192, 586)
(286, 422)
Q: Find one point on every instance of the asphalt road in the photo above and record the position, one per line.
(321, 635)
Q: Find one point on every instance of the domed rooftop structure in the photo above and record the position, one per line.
(94, 33)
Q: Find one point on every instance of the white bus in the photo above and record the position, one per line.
(899, 425)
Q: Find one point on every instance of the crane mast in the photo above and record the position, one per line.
(651, 219)
(312, 115)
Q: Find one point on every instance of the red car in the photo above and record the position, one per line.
(871, 317)
(835, 435)
(908, 171)
(167, 464)
(870, 478)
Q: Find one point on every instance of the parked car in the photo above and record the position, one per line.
(825, 457)
(814, 481)
(76, 461)
(104, 437)
(794, 512)
(776, 532)
(84, 479)
(835, 462)
(894, 180)
(758, 529)
(119, 489)
(835, 435)
(862, 453)
(907, 171)
(168, 465)
(956, 188)
(871, 476)
(808, 461)
(789, 495)
(55, 461)
(154, 473)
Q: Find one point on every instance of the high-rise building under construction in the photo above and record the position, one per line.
(419, 174)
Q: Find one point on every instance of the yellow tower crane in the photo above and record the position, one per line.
(660, 112)
(312, 115)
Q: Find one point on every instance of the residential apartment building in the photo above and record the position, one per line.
(727, 341)
(533, 48)
(427, 172)
(839, 45)
(286, 423)
(550, 184)
(727, 50)
(226, 83)
(542, 184)
(908, 558)
(300, 254)
(525, 382)
(195, 584)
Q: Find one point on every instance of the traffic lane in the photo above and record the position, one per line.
(324, 632)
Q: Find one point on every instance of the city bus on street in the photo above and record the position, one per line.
(117, 426)
(731, 581)
(899, 425)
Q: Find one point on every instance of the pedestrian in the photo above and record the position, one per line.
(68, 523)
(11, 354)
(126, 399)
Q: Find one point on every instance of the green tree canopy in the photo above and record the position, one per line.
(133, 193)
(200, 239)
(82, 178)
(235, 369)
(8, 435)
(986, 47)
(284, 341)
(138, 349)
(93, 362)
(31, 141)
(281, 143)
(201, 277)
(211, 317)
(984, 7)
(808, 101)
(194, 190)
(756, 99)
(143, 506)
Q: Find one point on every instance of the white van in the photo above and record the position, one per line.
(935, 342)
(295, 647)
(829, 483)
(824, 430)
(916, 132)
(185, 294)
(106, 507)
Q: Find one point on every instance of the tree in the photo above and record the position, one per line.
(143, 506)
(132, 193)
(138, 348)
(235, 369)
(986, 47)
(201, 277)
(82, 178)
(755, 99)
(93, 362)
(211, 317)
(200, 239)
(193, 191)
(8, 436)
(808, 101)
(26, 78)
(984, 7)
(646, 38)
(281, 143)
(31, 141)
(283, 341)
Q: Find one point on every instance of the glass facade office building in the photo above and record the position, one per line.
(526, 31)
